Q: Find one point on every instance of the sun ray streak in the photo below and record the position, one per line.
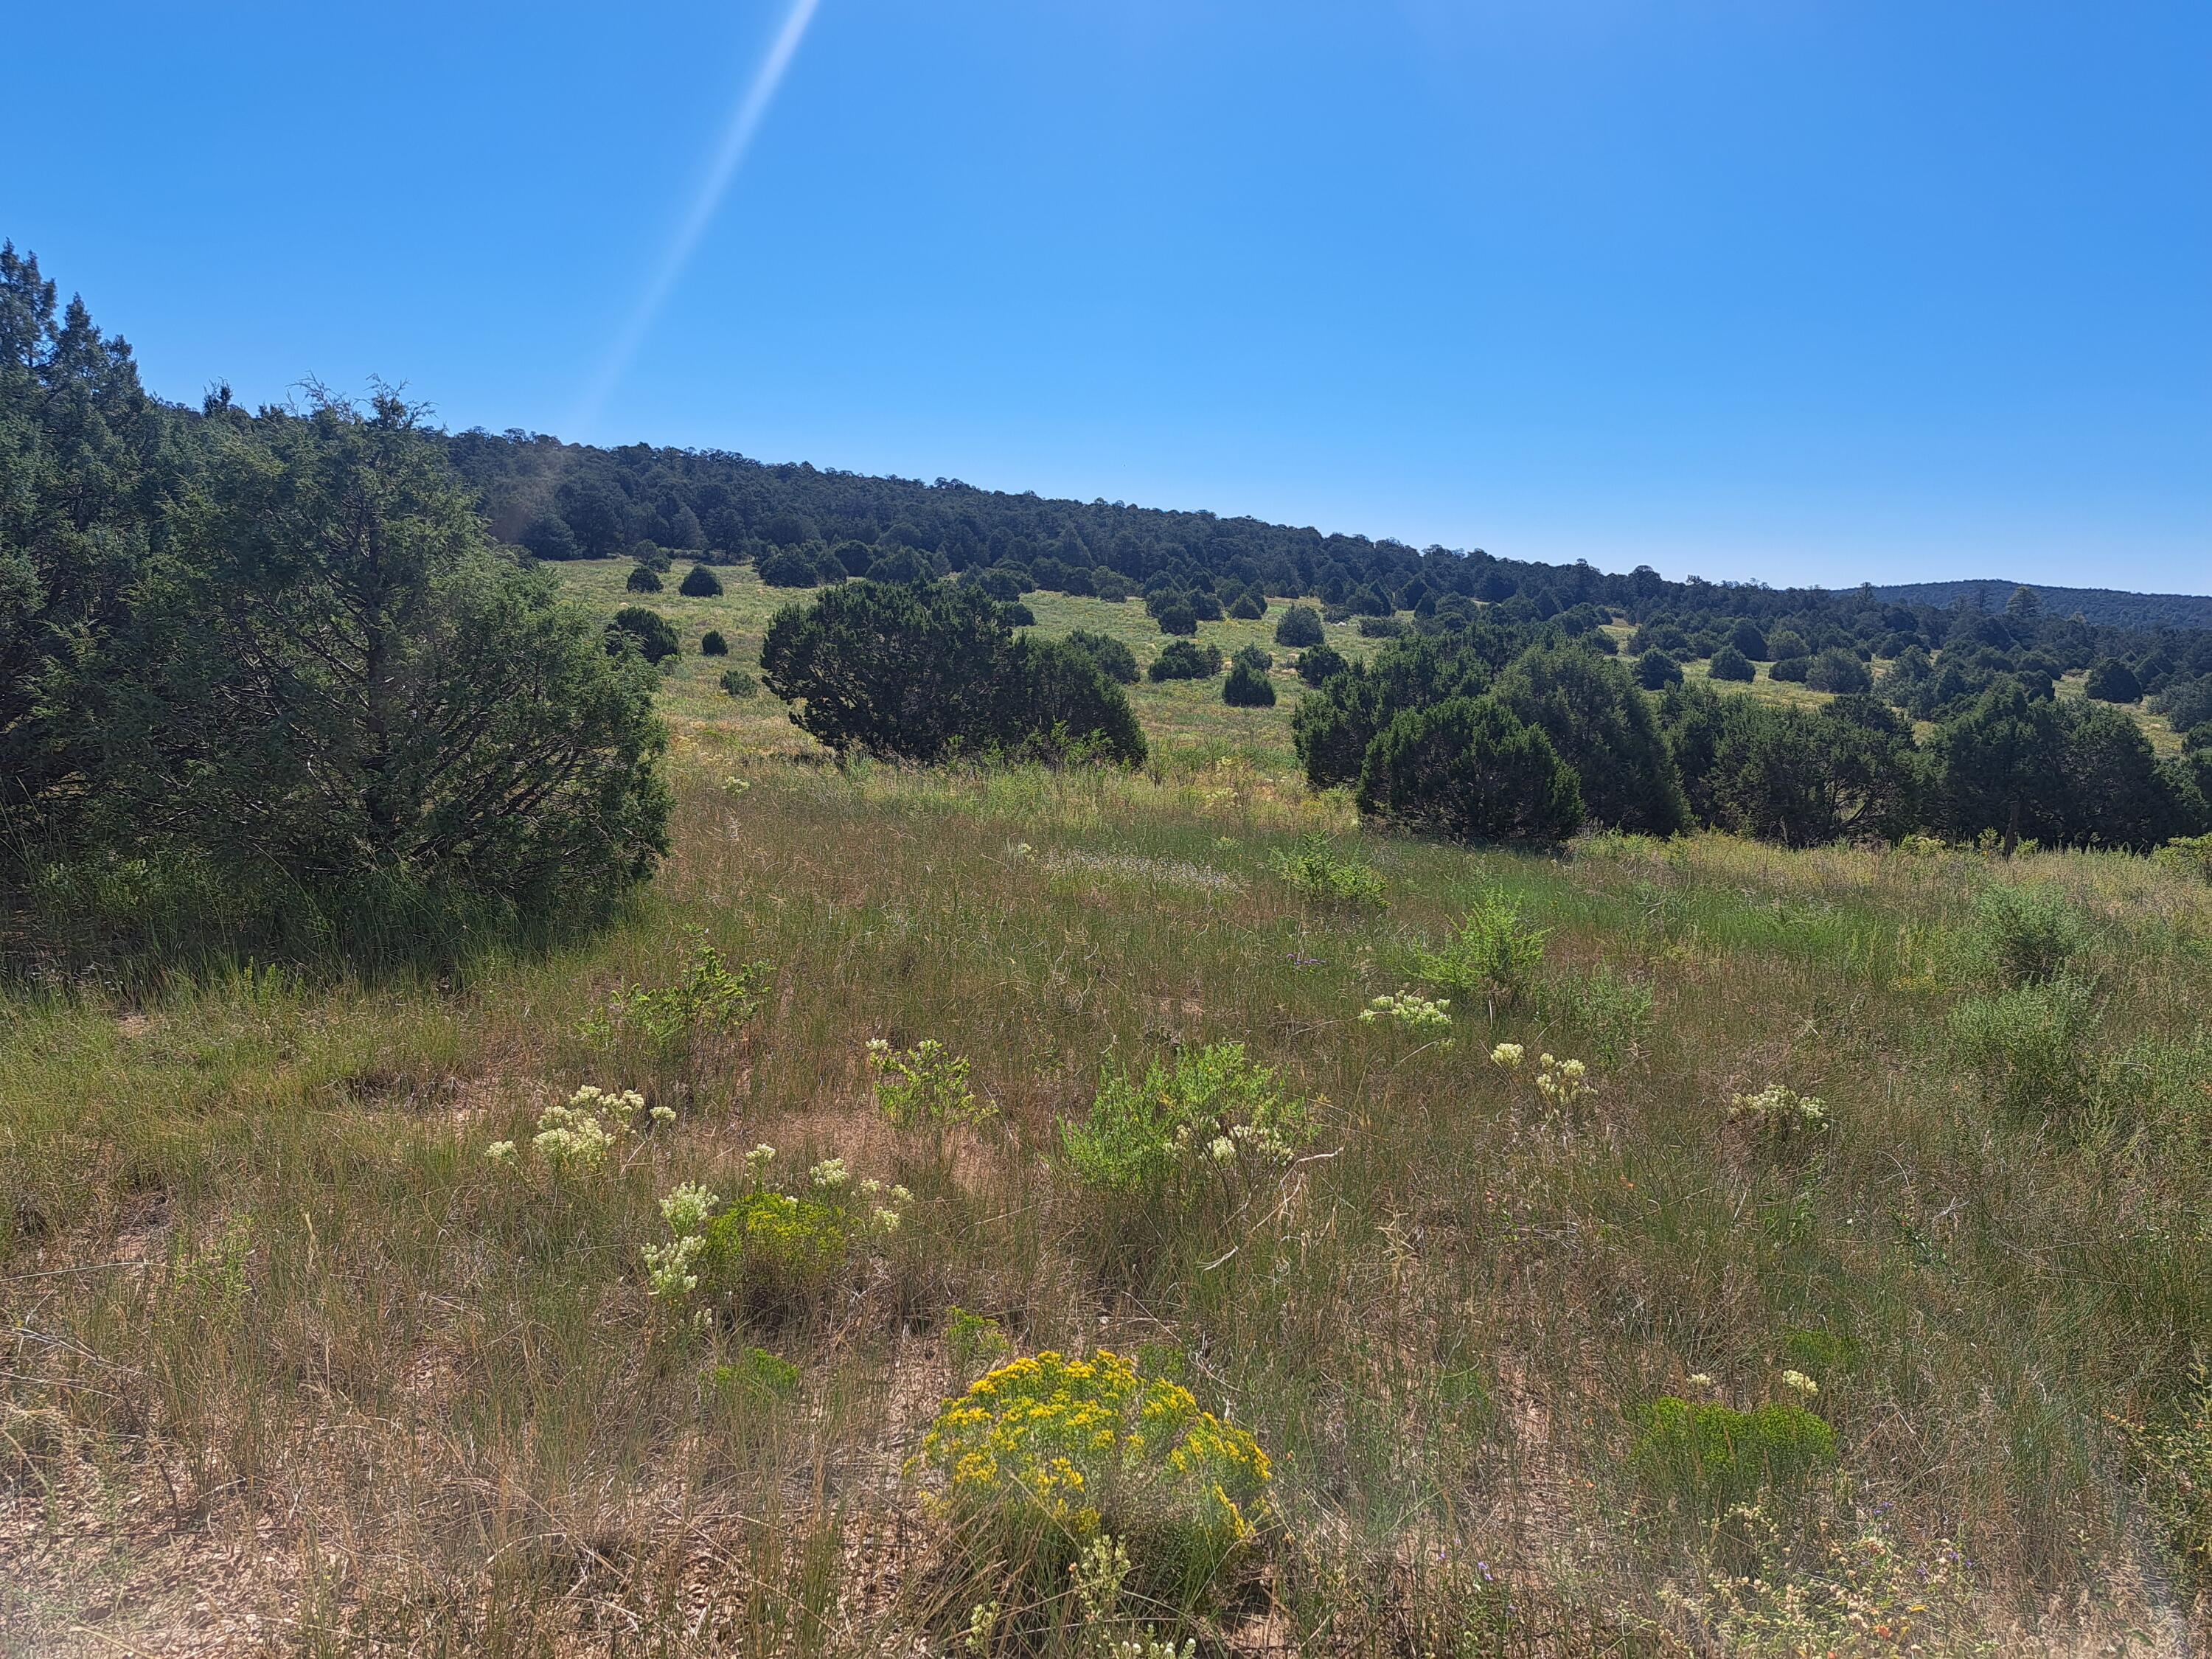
(736, 139)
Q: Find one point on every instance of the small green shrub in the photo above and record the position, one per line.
(2026, 935)
(1710, 1456)
(2190, 854)
(758, 1374)
(700, 583)
(1317, 869)
(1491, 955)
(924, 1087)
(712, 1001)
(712, 644)
(1209, 1114)
(642, 579)
(738, 683)
(974, 1344)
(1611, 1012)
(2031, 1045)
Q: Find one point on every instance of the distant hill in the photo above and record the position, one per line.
(2106, 606)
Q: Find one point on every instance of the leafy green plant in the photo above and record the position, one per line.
(974, 1344)
(1710, 1456)
(1315, 868)
(924, 1087)
(771, 1251)
(2190, 854)
(2026, 935)
(757, 1373)
(1490, 955)
(712, 999)
(2031, 1045)
(1209, 1110)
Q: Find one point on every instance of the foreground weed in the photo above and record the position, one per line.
(1213, 1109)
(579, 1137)
(1489, 955)
(1317, 869)
(924, 1087)
(1852, 1593)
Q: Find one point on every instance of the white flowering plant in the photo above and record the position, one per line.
(1209, 1109)
(1561, 1083)
(1778, 1113)
(769, 1249)
(581, 1136)
(1411, 1011)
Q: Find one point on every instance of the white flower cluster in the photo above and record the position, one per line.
(583, 1133)
(668, 1266)
(1801, 1384)
(1410, 1010)
(1562, 1082)
(1507, 1055)
(1778, 1109)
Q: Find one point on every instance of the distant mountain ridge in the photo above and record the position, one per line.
(2110, 606)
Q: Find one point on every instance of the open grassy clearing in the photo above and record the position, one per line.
(292, 1366)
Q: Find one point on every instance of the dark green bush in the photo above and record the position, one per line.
(1793, 669)
(1838, 671)
(738, 683)
(1115, 659)
(923, 672)
(1252, 656)
(712, 644)
(789, 568)
(1317, 662)
(1730, 664)
(1466, 768)
(2112, 680)
(648, 630)
(1175, 616)
(1247, 688)
(643, 580)
(700, 583)
(1299, 627)
(1249, 607)
(1186, 660)
(1655, 671)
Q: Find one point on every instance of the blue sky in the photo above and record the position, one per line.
(1806, 290)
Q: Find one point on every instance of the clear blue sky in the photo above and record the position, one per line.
(1799, 290)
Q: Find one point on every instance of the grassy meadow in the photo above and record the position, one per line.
(1674, 1366)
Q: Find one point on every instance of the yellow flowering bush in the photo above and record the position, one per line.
(1085, 1444)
